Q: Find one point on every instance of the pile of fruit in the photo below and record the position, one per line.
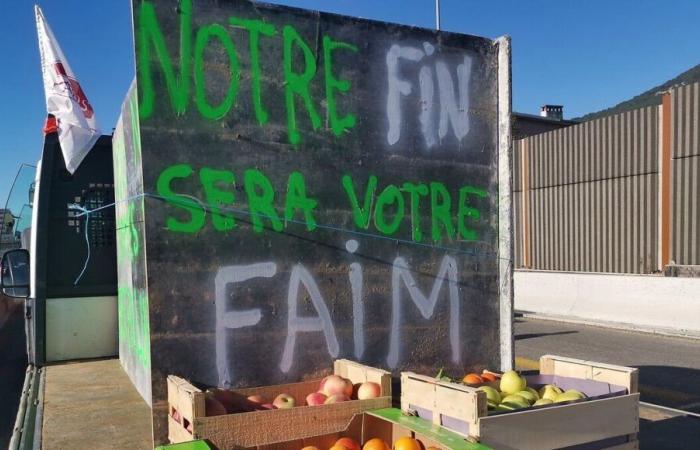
(509, 391)
(404, 443)
(333, 389)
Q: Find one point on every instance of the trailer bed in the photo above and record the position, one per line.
(93, 404)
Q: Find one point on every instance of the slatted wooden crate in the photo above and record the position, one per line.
(605, 421)
(258, 428)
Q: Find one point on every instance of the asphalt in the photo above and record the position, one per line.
(669, 372)
(13, 364)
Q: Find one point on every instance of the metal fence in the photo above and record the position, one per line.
(591, 197)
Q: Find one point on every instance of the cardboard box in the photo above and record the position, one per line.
(257, 428)
(609, 418)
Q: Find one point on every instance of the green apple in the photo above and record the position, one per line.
(543, 401)
(492, 404)
(529, 396)
(569, 396)
(529, 389)
(492, 394)
(512, 382)
(550, 392)
(515, 398)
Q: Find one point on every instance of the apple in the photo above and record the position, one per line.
(256, 401)
(511, 382)
(543, 401)
(213, 407)
(369, 389)
(529, 396)
(569, 396)
(267, 406)
(492, 394)
(310, 447)
(335, 384)
(349, 443)
(284, 401)
(316, 398)
(336, 398)
(550, 392)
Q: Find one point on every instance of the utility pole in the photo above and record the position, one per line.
(437, 15)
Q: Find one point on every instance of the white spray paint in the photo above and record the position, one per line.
(397, 87)
(426, 305)
(227, 319)
(454, 106)
(358, 309)
(458, 115)
(295, 324)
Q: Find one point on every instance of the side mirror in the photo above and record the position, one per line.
(14, 273)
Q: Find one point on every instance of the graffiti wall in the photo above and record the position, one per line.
(319, 187)
(134, 336)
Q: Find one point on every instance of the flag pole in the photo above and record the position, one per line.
(437, 15)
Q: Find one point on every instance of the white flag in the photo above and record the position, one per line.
(77, 128)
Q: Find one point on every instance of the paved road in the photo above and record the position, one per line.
(669, 371)
(13, 364)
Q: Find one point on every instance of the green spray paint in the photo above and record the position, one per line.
(415, 192)
(360, 215)
(297, 199)
(389, 196)
(261, 197)
(210, 178)
(255, 29)
(149, 32)
(197, 213)
(298, 83)
(338, 124)
(465, 211)
(204, 35)
(440, 205)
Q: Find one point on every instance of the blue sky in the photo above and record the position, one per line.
(586, 55)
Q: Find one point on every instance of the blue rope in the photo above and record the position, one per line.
(86, 212)
(83, 212)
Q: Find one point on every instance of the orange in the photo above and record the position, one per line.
(407, 443)
(349, 443)
(472, 378)
(488, 376)
(375, 444)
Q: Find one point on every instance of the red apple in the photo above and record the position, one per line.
(349, 443)
(213, 407)
(335, 384)
(315, 399)
(256, 401)
(284, 401)
(369, 389)
(336, 398)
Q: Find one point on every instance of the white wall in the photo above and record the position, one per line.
(650, 303)
(82, 327)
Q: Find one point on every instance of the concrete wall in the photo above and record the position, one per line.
(650, 303)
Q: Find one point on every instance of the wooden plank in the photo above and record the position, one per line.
(243, 430)
(562, 426)
(176, 432)
(589, 370)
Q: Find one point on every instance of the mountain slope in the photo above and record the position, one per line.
(647, 98)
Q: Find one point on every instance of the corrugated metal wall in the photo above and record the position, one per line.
(587, 196)
(685, 167)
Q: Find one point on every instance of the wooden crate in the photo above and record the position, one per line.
(258, 428)
(607, 422)
(388, 424)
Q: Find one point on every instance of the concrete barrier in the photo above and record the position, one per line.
(642, 302)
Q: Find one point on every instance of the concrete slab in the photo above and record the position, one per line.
(90, 405)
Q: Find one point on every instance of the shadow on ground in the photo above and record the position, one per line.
(13, 363)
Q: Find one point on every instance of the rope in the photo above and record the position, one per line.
(207, 207)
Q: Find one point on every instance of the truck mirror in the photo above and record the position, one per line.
(14, 273)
